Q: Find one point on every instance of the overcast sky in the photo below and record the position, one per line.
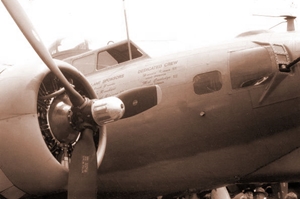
(157, 26)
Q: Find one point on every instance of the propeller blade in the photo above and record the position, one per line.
(83, 168)
(20, 17)
(140, 99)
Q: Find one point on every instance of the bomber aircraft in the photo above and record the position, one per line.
(137, 127)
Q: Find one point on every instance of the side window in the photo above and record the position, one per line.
(104, 60)
(249, 67)
(207, 82)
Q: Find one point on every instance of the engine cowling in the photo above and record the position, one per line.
(30, 151)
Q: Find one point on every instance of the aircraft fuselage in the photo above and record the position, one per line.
(226, 113)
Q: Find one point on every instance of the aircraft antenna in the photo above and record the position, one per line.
(127, 32)
(289, 19)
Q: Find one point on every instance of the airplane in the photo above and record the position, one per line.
(142, 127)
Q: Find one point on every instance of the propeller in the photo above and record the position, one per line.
(25, 25)
(83, 168)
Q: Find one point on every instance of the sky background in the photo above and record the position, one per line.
(158, 26)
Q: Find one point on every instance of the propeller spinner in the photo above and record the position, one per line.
(86, 114)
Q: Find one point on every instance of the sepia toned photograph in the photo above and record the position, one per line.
(149, 99)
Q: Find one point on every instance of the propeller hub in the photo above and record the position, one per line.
(59, 120)
(107, 110)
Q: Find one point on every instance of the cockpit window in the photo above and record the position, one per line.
(67, 47)
(104, 60)
(250, 67)
(207, 82)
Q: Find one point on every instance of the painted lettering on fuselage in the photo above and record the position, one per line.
(113, 78)
(106, 86)
(149, 74)
(149, 69)
(159, 74)
(109, 84)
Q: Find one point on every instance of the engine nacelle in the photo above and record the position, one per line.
(26, 154)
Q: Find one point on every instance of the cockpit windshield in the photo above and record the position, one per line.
(69, 46)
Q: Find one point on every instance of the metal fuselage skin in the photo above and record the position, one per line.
(197, 138)
(227, 115)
